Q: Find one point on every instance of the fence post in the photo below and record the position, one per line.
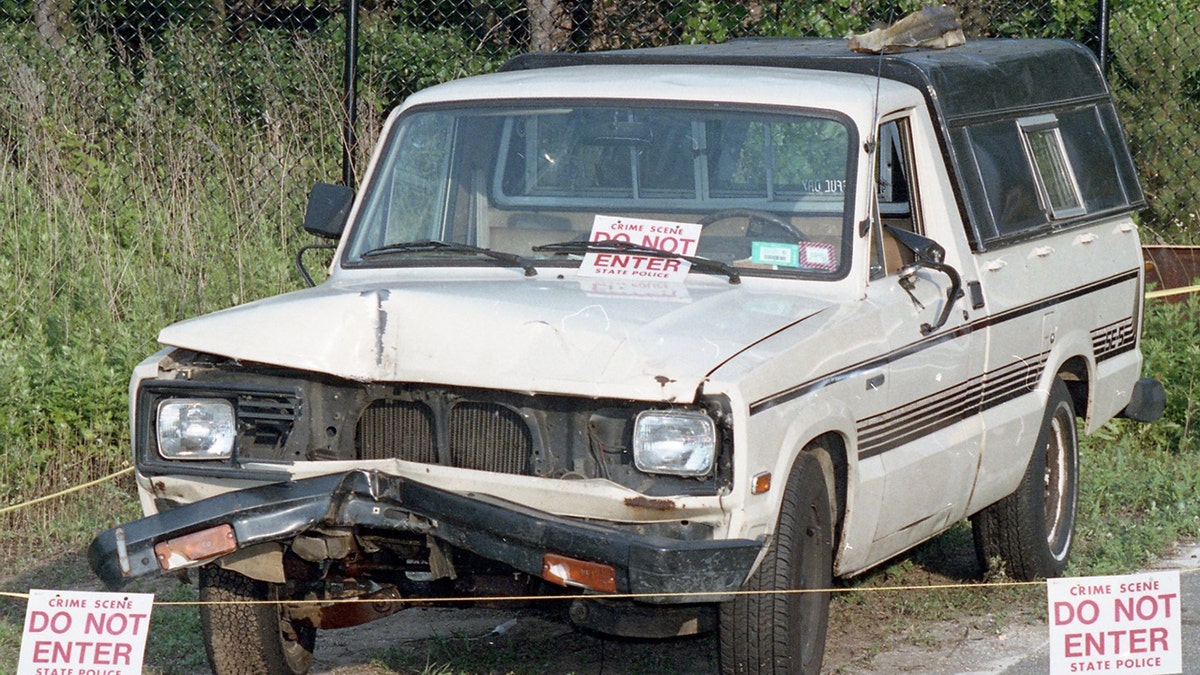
(350, 94)
(1102, 30)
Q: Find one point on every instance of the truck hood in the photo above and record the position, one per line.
(551, 336)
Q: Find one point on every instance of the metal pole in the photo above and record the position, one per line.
(1102, 51)
(350, 94)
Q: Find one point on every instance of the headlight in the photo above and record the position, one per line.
(676, 442)
(196, 428)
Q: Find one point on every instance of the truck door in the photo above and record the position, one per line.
(924, 449)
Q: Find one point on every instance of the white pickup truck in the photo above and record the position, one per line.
(674, 332)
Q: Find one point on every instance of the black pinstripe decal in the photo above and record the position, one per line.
(888, 430)
(924, 416)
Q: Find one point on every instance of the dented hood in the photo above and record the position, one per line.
(550, 336)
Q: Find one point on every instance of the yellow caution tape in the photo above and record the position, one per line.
(595, 596)
(56, 495)
(1167, 292)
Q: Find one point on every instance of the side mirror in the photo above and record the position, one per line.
(929, 254)
(328, 210)
(923, 248)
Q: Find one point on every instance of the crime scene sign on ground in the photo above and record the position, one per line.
(1127, 624)
(671, 237)
(85, 633)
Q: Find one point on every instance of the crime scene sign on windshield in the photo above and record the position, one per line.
(679, 238)
(1126, 624)
(85, 633)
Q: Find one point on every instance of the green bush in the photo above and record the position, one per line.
(397, 60)
(142, 189)
(1171, 345)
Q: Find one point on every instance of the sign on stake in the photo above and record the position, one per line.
(85, 633)
(1126, 624)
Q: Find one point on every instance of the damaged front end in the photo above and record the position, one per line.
(336, 489)
(347, 520)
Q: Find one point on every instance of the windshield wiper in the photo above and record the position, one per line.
(433, 245)
(630, 248)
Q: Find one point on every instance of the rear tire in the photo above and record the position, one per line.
(766, 631)
(1031, 530)
(244, 635)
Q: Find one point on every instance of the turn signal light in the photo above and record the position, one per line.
(566, 571)
(762, 484)
(192, 548)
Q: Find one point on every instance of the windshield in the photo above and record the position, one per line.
(770, 193)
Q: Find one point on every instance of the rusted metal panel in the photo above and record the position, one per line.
(1172, 271)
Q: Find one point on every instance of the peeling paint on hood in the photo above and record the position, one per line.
(548, 336)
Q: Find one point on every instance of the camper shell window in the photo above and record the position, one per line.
(1042, 173)
(1056, 181)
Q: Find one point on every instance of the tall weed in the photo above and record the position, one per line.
(142, 188)
(146, 193)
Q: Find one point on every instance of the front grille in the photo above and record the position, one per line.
(477, 435)
(397, 430)
(266, 421)
(489, 438)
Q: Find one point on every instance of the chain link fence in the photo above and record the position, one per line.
(249, 94)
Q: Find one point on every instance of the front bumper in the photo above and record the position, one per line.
(495, 529)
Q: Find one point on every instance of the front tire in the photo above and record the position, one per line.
(244, 635)
(769, 630)
(1031, 530)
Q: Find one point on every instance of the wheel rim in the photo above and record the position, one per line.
(297, 657)
(1057, 482)
(295, 640)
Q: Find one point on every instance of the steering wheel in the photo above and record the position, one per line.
(756, 220)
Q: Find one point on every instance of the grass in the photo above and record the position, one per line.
(175, 646)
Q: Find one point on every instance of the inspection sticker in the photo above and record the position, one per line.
(771, 253)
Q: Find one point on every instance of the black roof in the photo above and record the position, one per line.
(982, 77)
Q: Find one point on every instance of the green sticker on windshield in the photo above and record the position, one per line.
(774, 253)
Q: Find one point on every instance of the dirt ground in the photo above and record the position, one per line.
(866, 637)
(970, 644)
(869, 632)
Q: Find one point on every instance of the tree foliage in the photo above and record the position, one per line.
(1155, 77)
